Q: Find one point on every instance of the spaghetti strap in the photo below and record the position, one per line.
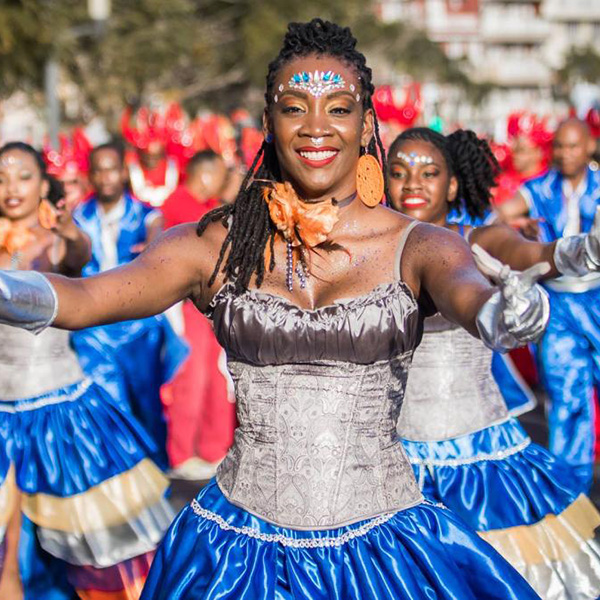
(400, 248)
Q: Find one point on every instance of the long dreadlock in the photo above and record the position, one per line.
(249, 227)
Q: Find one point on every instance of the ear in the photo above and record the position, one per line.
(368, 127)
(591, 146)
(267, 124)
(452, 189)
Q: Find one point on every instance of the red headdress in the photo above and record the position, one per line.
(593, 120)
(72, 155)
(528, 124)
(390, 109)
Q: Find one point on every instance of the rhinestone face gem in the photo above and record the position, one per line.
(412, 158)
(317, 83)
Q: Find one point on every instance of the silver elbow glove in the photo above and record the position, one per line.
(27, 300)
(579, 255)
(518, 312)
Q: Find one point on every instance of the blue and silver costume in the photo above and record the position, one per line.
(469, 454)
(316, 499)
(569, 352)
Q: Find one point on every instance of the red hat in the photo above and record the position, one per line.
(390, 110)
(530, 125)
(72, 155)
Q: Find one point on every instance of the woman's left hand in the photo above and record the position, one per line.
(519, 312)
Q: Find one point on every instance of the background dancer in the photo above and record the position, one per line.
(564, 203)
(131, 360)
(200, 416)
(71, 461)
(466, 451)
(315, 499)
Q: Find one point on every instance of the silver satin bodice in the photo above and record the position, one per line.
(451, 390)
(318, 395)
(31, 365)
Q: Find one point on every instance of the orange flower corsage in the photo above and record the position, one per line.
(13, 237)
(301, 223)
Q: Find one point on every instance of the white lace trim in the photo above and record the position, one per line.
(457, 462)
(291, 542)
(53, 398)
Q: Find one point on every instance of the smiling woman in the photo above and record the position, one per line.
(315, 499)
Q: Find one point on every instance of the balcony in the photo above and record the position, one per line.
(506, 26)
(514, 71)
(571, 10)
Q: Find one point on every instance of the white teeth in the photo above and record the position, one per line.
(320, 155)
(413, 201)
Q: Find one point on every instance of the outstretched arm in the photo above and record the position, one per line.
(504, 318)
(511, 248)
(172, 268)
(445, 270)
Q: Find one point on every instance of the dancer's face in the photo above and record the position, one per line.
(573, 148)
(21, 185)
(419, 182)
(318, 137)
(107, 175)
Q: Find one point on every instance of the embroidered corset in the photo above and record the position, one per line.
(451, 390)
(318, 396)
(31, 365)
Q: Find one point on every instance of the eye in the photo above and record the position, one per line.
(291, 110)
(431, 174)
(340, 110)
(397, 175)
(26, 176)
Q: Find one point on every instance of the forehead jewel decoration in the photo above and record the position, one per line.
(7, 161)
(412, 158)
(317, 83)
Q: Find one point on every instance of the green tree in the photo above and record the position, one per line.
(204, 52)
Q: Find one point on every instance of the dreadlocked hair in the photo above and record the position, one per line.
(469, 158)
(250, 228)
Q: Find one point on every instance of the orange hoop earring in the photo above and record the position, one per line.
(369, 180)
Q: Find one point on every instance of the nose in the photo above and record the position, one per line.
(315, 125)
(411, 182)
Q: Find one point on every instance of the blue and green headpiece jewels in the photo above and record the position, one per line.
(317, 83)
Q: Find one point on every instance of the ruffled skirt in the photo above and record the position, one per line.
(78, 468)
(522, 500)
(217, 550)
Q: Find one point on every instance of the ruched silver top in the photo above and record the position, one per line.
(451, 390)
(31, 365)
(318, 395)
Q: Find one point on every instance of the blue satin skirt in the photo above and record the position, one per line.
(522, 500)
(131, 361)
(97, 502)
(217, 550)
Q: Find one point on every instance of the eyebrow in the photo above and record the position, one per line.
(304, 95)
(399, 161)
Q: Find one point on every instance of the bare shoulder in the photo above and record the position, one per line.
(430, 248)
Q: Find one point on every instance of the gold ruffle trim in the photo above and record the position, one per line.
(555, 537)
(108, 504)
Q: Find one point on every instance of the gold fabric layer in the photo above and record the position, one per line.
(108, 504)
(554, 538)
(8, 496)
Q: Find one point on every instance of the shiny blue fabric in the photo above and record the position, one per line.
(44, 577)
(516, 393)
(519, 489)
(421, 552)
(66, 448)
(132, 359)
(569, 352)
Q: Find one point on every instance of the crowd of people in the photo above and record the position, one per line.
(335, 323)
